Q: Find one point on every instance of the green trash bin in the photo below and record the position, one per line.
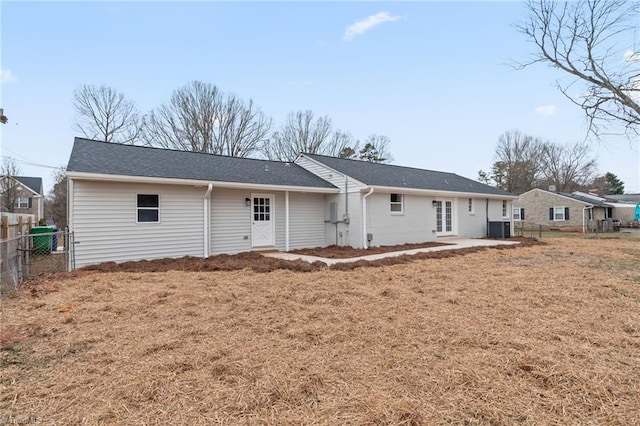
(41, 243)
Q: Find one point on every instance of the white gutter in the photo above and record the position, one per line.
(205, 222)
(442, 194)
(196, 182)
(286, 221)
(365, 243)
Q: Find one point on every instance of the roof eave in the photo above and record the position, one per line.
(196, 182)
(435, 192)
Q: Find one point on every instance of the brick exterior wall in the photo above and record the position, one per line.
(537, 203)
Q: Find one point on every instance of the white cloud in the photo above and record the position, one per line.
(7, 77)
(366, 24)
(631, 56)
(546, 110)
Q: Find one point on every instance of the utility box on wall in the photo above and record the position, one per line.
(499, 229)
(333, 212)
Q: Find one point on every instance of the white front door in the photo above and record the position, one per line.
(444, 217)
(262, 221)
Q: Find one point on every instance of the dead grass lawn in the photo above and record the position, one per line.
(534, 335)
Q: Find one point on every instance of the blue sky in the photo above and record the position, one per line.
(433, 76)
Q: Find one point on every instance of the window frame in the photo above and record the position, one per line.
(555, 213)
(396, 203)
(18, 204)
(471, 206)
(147, 208)
(505, 209)
(520, 210)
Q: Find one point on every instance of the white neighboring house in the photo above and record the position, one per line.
(130, 203)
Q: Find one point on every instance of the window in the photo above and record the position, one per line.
(396, 203)
(504, 208)
(591, 213)
(261, 209)
(470, 206)
(518, 213)
(558, 213)
(22, 203)
(148, 208)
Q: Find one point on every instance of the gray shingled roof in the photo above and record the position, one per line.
(91, 156)
(33, 183)
(585, 200)
(375, 174)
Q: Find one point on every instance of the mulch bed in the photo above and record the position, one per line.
(258, 263)
(346, 252)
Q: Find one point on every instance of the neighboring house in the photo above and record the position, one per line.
(23, 195)
(558, 210)
(130, 202)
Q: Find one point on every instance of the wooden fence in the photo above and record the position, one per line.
(14, 224)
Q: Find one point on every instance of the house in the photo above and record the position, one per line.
(22, 195)
(382, 204)
(575, 211)
(131, 202)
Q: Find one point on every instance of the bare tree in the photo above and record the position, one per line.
(3, 118)
(104, 114)
(8, 186)
(301, 133)
(200, 117)
(517, 165)
(583, 39)
(568, 167)
(56, 201)
(376, 149)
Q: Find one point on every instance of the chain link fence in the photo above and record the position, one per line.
(28, 256)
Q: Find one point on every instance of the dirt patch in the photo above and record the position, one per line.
(538, 335)
(346, 252)
(258, 263)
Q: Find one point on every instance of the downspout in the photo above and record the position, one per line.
(68, 239)
(286, 221)
(486, 212)
(584, 224)
(346, 195)
(205, 223)
(365, 242)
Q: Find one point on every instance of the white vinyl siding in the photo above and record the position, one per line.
(104, 222)
(306, 220)
(471, 225)
(414, 226)
(329, 175)
(230, 221)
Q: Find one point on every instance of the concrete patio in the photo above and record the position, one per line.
(453, 244)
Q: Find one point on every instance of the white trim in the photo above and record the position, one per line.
(286, 221)
(327, 167)
(272, 216)
(22, 184)
(218, 184)
(395, 203)
(206, 201)
(365, 242)
(147, 208)
(438, 193)
(563, 196)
